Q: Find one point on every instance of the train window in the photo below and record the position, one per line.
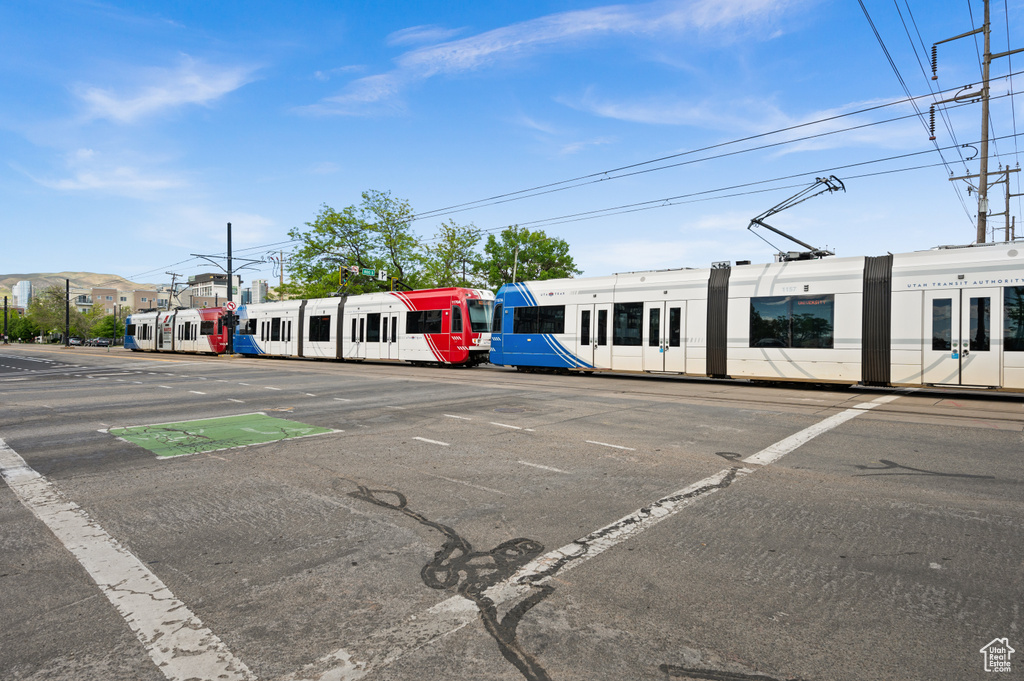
(543, 319)
(353, 329)
(288, 334)
(792, 321)
(362, 326)
(384, 333)
(423, 321)
(248, 327)
(275, 328)
(602, 327)
(980, 324)
(496, 322)
(628, 322)
(129, 330)
(394, 329)
(942, 324)
(1013, 319)
(654, 328)
(480, 312)
(373, 327)
(456, 319)
(206, 328)
(585, 327)
(675, 327)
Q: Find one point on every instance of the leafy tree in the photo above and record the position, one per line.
(451, 259)
(376, 234)
(20, 327)
(48, 308)
(533, 255)
(108, 326)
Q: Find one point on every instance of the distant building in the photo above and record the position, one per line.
(107, 298)
(23, 293)
(209, 290)
(259, 291)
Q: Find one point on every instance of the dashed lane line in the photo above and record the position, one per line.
(176, 640)
(542, 466)
(605, 444)
(433, 442)
(505, 425)
(386, 646)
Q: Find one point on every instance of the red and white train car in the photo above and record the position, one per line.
(201, 331)
(437, 326)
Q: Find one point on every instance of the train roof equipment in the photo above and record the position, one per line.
(821, 185)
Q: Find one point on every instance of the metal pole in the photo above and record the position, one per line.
(67, 313)
(983, 171)
(5, 320)
(231, 313)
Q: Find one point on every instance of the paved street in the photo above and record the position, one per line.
(425, 524)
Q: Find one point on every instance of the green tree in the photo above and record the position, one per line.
(451, 258)
(376, 234)
(48, 308)
(108, 326)
(532, 255)
(20, 327)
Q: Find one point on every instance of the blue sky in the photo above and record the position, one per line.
(132, 132)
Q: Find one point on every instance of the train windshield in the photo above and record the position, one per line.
(480, 312)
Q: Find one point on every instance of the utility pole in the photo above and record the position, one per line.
(174, 293)
(1004, 179)
(986, 63)
(5, 320)
(231, 313)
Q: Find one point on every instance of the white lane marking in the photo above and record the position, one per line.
(176, 640)
(433, 442)
(342, 399)
(243, 384)
(391, 407)
(453, 416)
(505, 425)
(270, 387)
(310, 395)
(196, 392)
(164, 386)
(605, 444)
(468, 484)
(547, 468)
(234, 400)
(384, 647)
(778, 450)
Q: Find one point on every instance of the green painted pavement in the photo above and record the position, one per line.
(209, 435)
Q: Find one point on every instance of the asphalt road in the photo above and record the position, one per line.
(435, 524)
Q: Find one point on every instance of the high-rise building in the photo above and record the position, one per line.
(23, 293)
(259, 290)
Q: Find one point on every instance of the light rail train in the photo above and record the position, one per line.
(951, 316)
(448, 326)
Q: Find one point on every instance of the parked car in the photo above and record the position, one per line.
(74, 340)
(101, 342)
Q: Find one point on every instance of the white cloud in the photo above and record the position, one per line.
(575, 147)
(91, 172)
(204, 228)
(191, 82)
(422, 34)
(529, 37)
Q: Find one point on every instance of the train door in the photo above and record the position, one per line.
(357, 336)
(663, 340)
(459, 348)
(165, 333)
(600, 354)
(961, 341)
(389, 336)
(373, 347)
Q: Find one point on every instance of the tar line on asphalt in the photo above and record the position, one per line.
(176, 640)
(385, 647)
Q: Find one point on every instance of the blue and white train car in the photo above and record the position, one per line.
(946, 317)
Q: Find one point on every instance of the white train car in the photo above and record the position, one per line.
(946, 317)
